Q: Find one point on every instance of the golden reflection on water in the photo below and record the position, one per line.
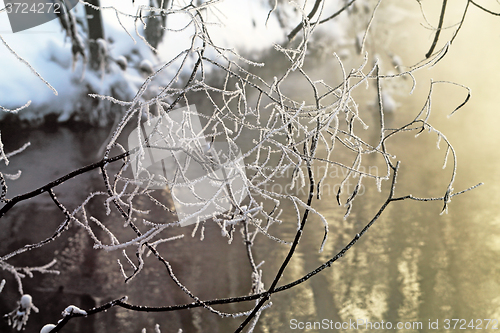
(415, 265)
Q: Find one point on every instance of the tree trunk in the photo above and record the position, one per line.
(96, 31)
(155, 24)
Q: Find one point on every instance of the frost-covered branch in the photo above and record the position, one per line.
(221, 164)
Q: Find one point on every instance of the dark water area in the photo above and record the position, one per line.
(413, 266)
(90, 277)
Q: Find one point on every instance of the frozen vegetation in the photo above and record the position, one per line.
(266, 129)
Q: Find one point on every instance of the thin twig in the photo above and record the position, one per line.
(438, 30)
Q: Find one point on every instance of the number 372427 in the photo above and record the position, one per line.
(32, 8)
(463, 324)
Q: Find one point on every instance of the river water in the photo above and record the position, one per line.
(414, 265)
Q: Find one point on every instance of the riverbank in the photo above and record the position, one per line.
(64, 97)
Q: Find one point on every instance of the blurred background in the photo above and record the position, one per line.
(414, 264)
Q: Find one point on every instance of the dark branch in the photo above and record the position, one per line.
(485, 9)
(309, 17)
(59, 181)
(438, 31)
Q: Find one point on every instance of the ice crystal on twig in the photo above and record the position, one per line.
(18, 318)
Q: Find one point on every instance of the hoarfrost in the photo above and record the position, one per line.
(73, 310)
(18, 317)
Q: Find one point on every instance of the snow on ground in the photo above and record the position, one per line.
(48, 51)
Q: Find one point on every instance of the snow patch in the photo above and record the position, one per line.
(73, 310)
(239, 24)
(47, 328)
